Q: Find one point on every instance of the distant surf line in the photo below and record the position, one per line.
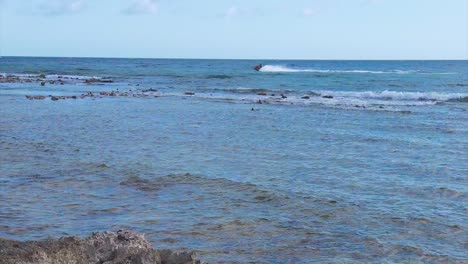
(286, 69)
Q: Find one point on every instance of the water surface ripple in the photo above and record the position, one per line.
(285, 183)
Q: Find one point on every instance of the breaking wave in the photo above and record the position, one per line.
(48, 76)
(369, 100)
(383, 95)
(286, 69)
(394, 95)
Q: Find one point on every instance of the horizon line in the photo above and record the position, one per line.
(193, 58)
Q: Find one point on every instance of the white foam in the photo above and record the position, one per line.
(76, 77)
(20, 75)
(395, 95)
(279, 68)
(285, 69)
(50, 76)
(376, 101)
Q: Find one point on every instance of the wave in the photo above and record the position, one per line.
(286, 69)
(383, 95)
(394, 95)
(48, 76)
(258, 91)
(369, 100)
(279, 68)
(76, 77)
(246, 192)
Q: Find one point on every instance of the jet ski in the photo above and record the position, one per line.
(258, 67)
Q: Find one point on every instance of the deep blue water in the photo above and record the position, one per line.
(358, 162)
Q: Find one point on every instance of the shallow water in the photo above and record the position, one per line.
(378, 173)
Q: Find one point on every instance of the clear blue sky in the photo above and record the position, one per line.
(255, 29)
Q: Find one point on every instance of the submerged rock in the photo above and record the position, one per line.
(121, 247)
(9, 79)
(35, 97)
(150, 90)
(460, 99)
(95, 80)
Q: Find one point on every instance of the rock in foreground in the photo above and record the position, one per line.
(122, 247)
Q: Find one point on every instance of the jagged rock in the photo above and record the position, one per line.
(121, 247)
(150, 90)
(35, 97)
(94, 80)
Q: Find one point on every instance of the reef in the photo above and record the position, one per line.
(121, 247)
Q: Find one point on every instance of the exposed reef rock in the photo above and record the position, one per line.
(95, 80)
(43, 79)
(35, 97)
(52, 97)
(9, 79)
(121, 247)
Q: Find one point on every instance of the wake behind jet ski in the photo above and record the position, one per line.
(258, 67)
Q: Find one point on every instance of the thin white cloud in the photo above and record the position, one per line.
(373, 2)
(308, 12)
(233, 11)
(142, 7)
(60, 7)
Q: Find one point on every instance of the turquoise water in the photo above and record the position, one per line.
(370, 167)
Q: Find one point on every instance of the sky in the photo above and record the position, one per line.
(236, 29)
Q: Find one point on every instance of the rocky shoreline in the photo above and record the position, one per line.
(51, 79)
(252, 96)
(121, 247)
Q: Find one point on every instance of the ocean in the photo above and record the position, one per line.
(300, 162)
